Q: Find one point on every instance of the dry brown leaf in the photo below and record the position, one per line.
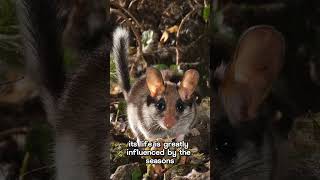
(165, 34)
(173, 29)
(164, 37)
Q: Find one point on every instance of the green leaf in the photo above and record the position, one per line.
(39, 141)
(136, 174)
(147, 175)
(174, 67)
(10, 44)
(160, 66)
(206, 12)
(113, 70)
(122, 106)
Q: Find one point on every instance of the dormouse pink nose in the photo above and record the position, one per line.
(169, 121)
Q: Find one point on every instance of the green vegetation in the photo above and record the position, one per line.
(9, 34)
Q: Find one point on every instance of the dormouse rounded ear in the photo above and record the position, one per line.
(188, 84)
(257, 62)
(154, 81)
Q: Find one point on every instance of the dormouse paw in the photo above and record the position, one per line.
(179, 137)
(194, 132)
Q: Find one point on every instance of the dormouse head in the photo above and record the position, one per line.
(248, 79)
(242, 112)
(172, 104)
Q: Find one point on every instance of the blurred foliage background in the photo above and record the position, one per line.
(171, 35)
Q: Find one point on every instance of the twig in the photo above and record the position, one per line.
(24, 165)
(138, 38)
(136, 34)
(139, 52)
(12, 81)
(131, 3)
(35, 170)
(12, 131)
(117, 6)
(178, 56)
(195, 42)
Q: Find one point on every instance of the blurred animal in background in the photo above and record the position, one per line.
(251, 121)
(76, 105)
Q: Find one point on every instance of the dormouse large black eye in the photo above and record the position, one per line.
(180, 106)
(161, 105)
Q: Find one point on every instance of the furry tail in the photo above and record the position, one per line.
(120, 52)
(41, 33)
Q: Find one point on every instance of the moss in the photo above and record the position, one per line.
(118, 155)
(122, 106)
(113, 71)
